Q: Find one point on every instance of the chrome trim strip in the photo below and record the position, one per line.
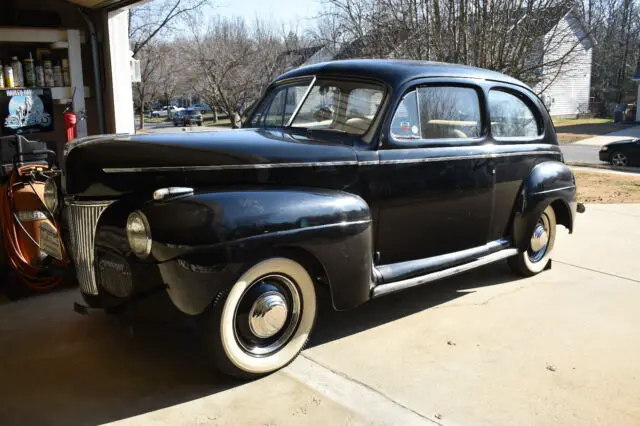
(83, 221)
(555, 189)
(465, 157)
(316, 163)
(227, 167)
(384, 289)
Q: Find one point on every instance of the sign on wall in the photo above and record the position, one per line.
(25, 111)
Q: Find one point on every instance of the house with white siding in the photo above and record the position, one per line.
(565, 76)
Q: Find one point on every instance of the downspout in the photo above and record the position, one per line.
(96, 69)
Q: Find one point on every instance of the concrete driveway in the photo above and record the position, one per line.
(480, 348)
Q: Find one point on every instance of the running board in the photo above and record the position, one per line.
(381, 290)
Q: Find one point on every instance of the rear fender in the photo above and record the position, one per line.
(328, 231)
(549, 183)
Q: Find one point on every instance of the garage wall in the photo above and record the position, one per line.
(66, 16)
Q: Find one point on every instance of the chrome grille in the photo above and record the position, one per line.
(83, 219)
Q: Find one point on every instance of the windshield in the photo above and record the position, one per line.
(344, 106)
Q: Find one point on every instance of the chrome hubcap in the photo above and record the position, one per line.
(539, 242)
(268, 314)
(540, 238)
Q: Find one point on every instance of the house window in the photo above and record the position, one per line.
(511, 117)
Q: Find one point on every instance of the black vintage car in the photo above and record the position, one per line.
(621, 153)
(418, 171)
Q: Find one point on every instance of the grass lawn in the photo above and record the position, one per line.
(222, 122)
(560, 122)
(573, 130)
(607, 188)
(155, 120)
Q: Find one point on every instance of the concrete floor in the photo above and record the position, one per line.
(480, 348)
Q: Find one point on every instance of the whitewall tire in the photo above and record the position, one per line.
(538, 253)
(265, 319)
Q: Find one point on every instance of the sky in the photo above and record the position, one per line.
(288, 12)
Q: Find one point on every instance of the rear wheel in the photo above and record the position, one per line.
(535, 258)
(619, 159)
(264, 320)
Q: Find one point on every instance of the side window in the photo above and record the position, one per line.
(449, 112)
(511, 117)
(438, 112)
(406, 121)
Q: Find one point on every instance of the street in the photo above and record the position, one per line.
(575, 153)
(480, 348)
(168, 127)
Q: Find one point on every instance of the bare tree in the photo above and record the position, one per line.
(148, 88)
(505, 35)
(156, 17)
(234, 62)
(148, 21)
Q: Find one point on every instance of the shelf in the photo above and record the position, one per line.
(34, 35)
(57, 93)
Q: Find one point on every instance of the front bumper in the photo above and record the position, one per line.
(604, 155)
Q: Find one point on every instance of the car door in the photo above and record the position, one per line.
(434, 183)
(634, 153)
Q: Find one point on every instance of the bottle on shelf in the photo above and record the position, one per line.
(18, 77)
(29, 72)
(40, 75)
(8, 76)
(1, 76)
(57, 75)
(48, 73)
(66, 76)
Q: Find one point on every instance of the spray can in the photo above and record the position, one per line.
(30, 71)
(40, 75)
(18, 77)
(66, 76)
(48, 73)
(1, 76)
(8, 76)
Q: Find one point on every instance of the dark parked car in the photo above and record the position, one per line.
(187, 117)
(440, 169)
(621, 153)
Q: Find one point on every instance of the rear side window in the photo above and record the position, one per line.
(438, 112)
(511, 117)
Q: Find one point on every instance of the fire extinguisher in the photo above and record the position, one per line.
(70, 121)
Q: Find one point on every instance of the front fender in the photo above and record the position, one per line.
(549, 183)
(221, 232)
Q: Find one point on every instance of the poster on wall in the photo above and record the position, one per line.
(25, 111)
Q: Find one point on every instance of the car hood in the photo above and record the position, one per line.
(117, 164)
(622, 142)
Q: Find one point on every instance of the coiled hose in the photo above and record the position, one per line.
(34, 276)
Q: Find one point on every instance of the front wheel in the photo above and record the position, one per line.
(535, 258)
(619, 159)
(264, 321)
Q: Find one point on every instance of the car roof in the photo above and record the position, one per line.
(395, 72)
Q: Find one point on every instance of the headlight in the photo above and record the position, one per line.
(604, 148)
(139, 234)
(51, 196)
